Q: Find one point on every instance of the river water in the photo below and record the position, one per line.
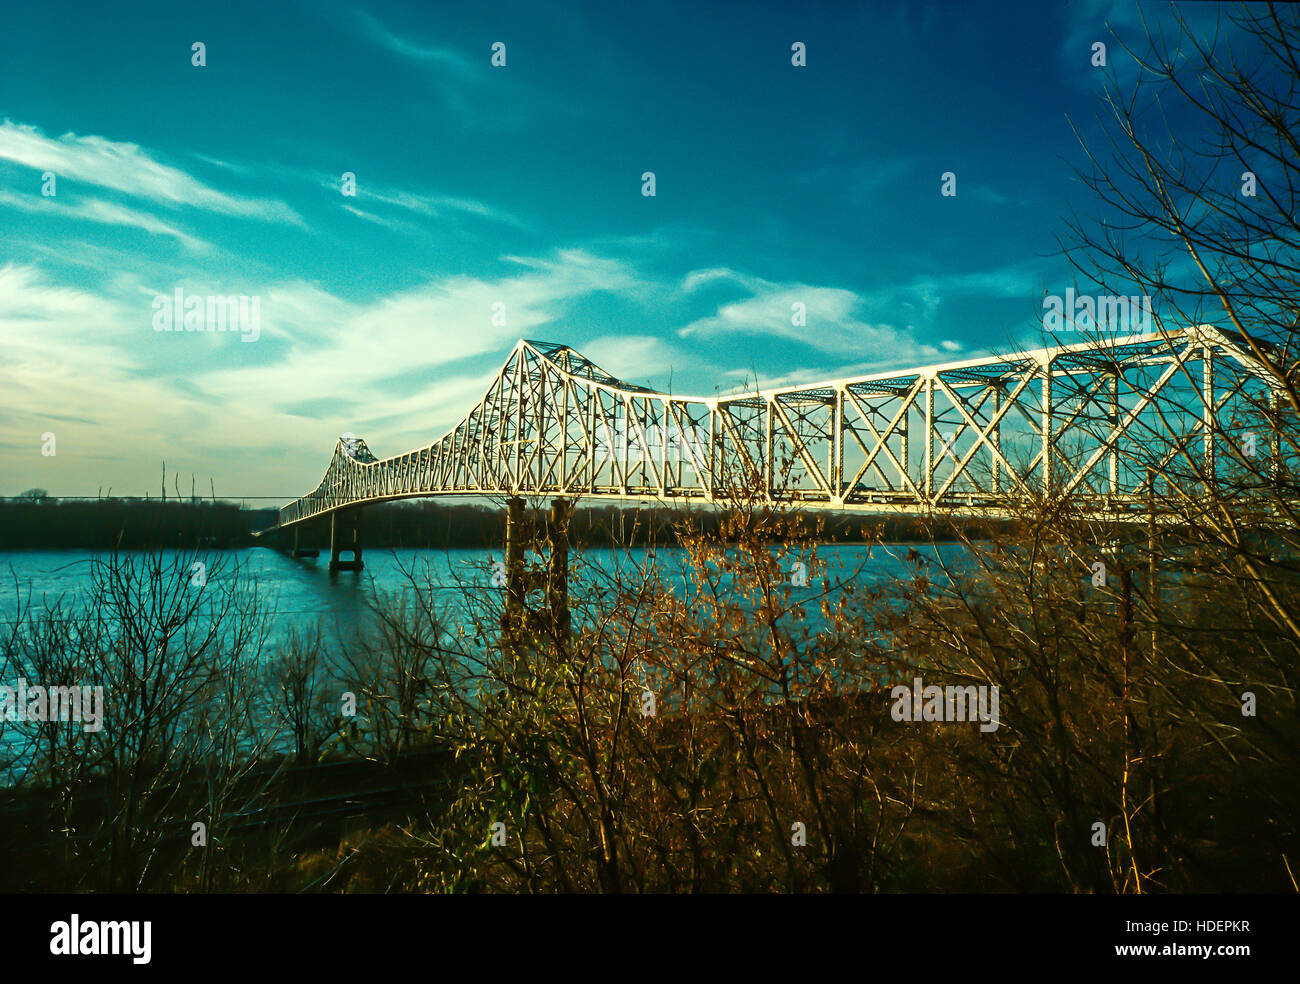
(304, 591)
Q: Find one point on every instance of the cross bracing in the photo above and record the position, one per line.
(1078, 419)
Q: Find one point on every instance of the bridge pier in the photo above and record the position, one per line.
(558, 568)
(300, 551)
(514, 563)
(345, 537)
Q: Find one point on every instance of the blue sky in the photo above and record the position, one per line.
(517, 185)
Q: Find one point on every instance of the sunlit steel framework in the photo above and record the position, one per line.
(962, 437)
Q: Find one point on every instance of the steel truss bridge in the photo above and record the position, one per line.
(1080, 420)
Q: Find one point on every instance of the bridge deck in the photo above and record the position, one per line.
(1089, 420)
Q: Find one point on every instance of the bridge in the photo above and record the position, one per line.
(968, 437)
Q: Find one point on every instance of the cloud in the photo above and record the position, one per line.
(399, 369)
(860, 182)
(62, 368)
(1120, 24)
(27, 299)
(429, 54)
(125, 167)
(97, 210)
(984, 193)
(644, 360)
(376, 351)
(464, 82)
(395, 224)
(428, 204)
(836, 321)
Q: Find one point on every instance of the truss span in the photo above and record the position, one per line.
(961, 437)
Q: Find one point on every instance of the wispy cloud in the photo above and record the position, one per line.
(127, 168)
(72, 367)
(430, 204)
(860, 182)
(52, 336)
(462, 79)
(430, 54)
(97, 210)
(832, 320)
(646, 360)
(1121, 24)
(367, 347)
(394, 224)
(411, 363)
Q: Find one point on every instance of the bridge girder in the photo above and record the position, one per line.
(962, 437)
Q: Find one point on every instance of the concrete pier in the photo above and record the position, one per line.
(299, 550)
(555, 617)
(515, 589)
(558, 568)
(345, 538)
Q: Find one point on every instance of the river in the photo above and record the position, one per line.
(303, 591)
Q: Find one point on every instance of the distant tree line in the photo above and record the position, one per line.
(432, 524)
(36, 520)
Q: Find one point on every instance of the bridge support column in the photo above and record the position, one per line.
(514, 563)
(345, 537)
(558, 569)
(556, 618)
(298, 549)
